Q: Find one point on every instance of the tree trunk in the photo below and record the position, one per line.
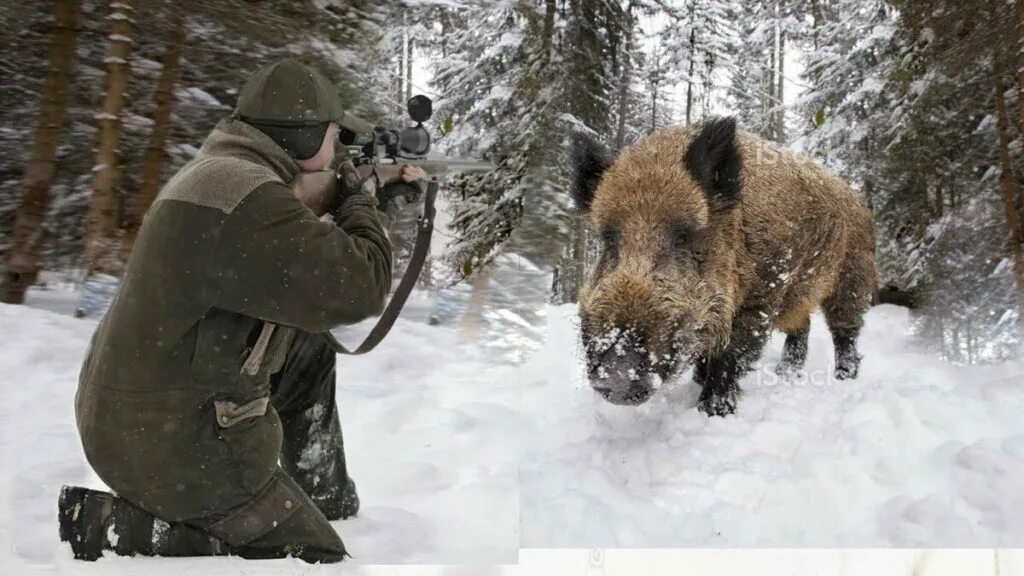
(1020, 63)
(408, 65)
(655, 80)
(816, 14)
(23, 257)
(942, 336)
(780, 115)
(549, 27)
(570, 272)
(579, 256)
(102, 224)
(1008, 185)
(970, 342)
(620, 131)
(1020, 97)
(769, 92)
(623, 104)
(399, 90)
(689, 77)
(153, 161)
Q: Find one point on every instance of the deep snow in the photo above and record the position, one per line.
(460, 458)
(915, 452)
(426, 433)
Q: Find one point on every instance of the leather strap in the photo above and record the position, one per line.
(424, 230)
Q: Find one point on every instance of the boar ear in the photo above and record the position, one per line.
(714, 161)
(588, 160)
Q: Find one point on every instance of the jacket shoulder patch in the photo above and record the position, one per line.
(220, 183)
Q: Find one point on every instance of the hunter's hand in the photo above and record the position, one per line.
(405, 186)
(412, 174)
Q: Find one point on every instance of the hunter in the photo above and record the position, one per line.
(206, 401)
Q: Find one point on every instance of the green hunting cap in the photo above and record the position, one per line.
(293, 104)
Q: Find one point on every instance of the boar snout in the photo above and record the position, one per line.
(622, 374)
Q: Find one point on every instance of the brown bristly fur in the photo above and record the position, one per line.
(799, 239)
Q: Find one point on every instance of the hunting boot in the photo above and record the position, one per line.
(93, 521)
(313, 450)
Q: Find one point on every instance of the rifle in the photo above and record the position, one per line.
(381, 152)
(313, 184)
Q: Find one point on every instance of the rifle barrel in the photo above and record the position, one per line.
(438, 166)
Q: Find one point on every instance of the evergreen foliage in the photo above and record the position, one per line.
(918, 104)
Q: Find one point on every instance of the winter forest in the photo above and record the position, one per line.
(471, 431)
(917, 104)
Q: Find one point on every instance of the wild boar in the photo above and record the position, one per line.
(711, 238)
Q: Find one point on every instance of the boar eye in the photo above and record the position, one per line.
(610, 253)
(681, 238)
(610, 237)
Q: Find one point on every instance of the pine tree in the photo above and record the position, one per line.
(752, 89)
(103, 220)
(153, 161)
(657, 108)
(702, 40)
(22, 264)
(902, 107)
(476, 82)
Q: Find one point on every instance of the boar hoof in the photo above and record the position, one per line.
(717, 404)
(787, 370)
(847, 365)
(846, 371)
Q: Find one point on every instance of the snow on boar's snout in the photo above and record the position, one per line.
(637, 324)
(627, 329)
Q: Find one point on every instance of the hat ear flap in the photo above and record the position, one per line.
(300, 142)
(588, 160)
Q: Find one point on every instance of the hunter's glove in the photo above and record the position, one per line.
(351, 184)
(391, 198)
(390, 193)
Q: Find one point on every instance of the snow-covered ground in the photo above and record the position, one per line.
(763, 562)
(427, 418)
(461, 457)
(916, 452)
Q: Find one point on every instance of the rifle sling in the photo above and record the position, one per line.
(425, 229)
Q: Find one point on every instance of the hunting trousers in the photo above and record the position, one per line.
(287, 517)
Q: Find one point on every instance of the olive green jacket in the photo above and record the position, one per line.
(172, 398)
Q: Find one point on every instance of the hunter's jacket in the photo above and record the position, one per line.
(172, 404)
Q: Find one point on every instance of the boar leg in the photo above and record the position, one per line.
(794, 352)
(719, 375)
(844, 313)
(847, 357)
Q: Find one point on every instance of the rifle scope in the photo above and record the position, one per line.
(411, 142)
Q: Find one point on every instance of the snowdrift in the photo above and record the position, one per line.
(915, 452)
(462, 459)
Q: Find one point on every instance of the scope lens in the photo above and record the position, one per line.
(414, 141)
(350, 138)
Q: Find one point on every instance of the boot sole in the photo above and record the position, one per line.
(81, 516)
